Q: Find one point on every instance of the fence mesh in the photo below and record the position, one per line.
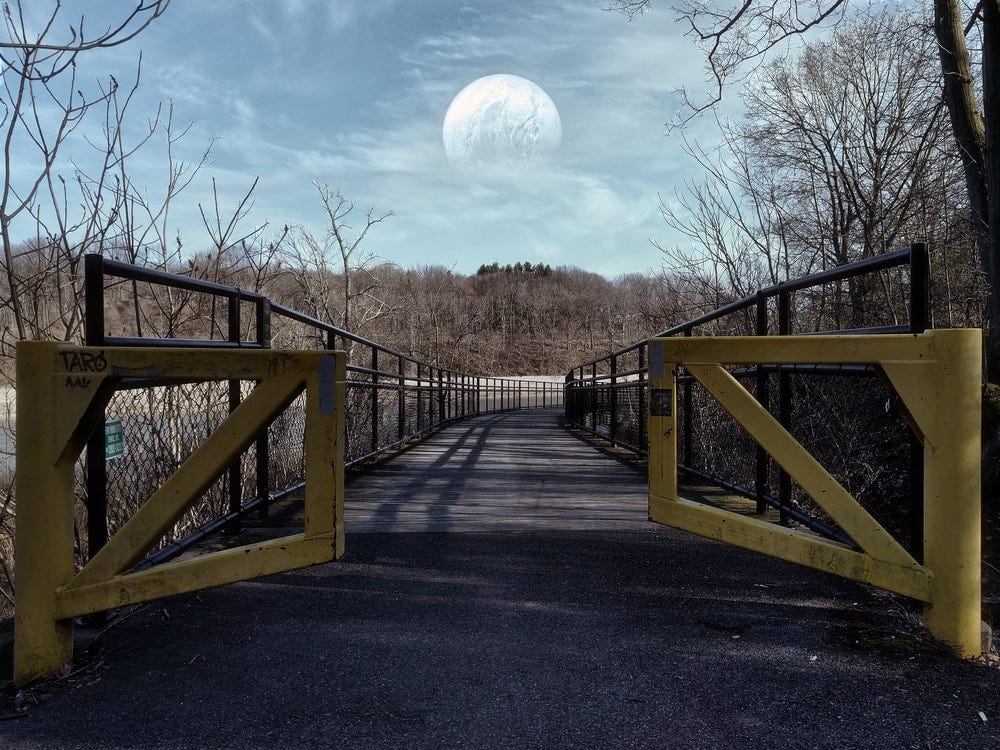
(390, 399)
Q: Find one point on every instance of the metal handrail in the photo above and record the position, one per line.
(447, 394)
(914, 255)
(584, 382)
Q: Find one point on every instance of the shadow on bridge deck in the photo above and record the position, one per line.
(516, 470)
(532, 607)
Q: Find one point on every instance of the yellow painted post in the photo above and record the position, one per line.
(662, 430)
(952, 545)
(43, 546)
(324, 446)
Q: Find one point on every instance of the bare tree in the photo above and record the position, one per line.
(738, 35)
(40, 74)
(343, 244)
(831, 163)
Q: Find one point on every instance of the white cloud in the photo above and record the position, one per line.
(354, 93)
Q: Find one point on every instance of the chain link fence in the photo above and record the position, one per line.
(391, 400)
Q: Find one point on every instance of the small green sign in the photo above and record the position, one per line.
(114, 439)
(661, 402)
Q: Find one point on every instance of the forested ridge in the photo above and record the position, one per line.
(498, 323)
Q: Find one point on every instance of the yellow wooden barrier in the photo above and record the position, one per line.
(938, 378)
(61, 393)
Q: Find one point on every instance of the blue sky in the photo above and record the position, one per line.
(354, 93)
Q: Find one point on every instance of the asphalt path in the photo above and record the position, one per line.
(548, 630)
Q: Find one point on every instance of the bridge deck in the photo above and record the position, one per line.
(506, 471)
(492, 596)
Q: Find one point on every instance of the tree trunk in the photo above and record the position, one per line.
(969, 128)
(991, 106)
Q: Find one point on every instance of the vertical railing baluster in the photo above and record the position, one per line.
(263, 449)
(688, 415)
(762, 462)
(420, 398)
(593, 398)
(236, 467)
(920, 321)
(643, 447)
(375, 413)
(401, 401)
(784, 402)
(440, 396)
(97, 467)
(613, 402)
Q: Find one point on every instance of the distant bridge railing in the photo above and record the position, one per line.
(608, 396)
(392, 399)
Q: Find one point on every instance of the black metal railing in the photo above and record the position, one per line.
(393, 399)
(607, 396)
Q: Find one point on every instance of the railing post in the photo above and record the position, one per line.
(331, 345)
(613, 401)
(920, 321)
(953, 499)
(375, 405)
(435, 410)
(644, 448)
(263, 449)
(402, 399)
(784, 401)
(920, 295)
(761, 458)
(236, 467)
(593, 398)
(420, 397)
(440, 396)
(97, 467)
(688, 416)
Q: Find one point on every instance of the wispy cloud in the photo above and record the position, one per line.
(354, 92)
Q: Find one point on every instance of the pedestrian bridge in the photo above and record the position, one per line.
(452, 485)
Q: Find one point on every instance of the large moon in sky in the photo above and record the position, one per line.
(500, 119)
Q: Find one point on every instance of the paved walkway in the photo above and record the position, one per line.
(528, 615)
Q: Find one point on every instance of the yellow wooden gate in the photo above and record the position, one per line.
(61, 394)
(938, 378)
